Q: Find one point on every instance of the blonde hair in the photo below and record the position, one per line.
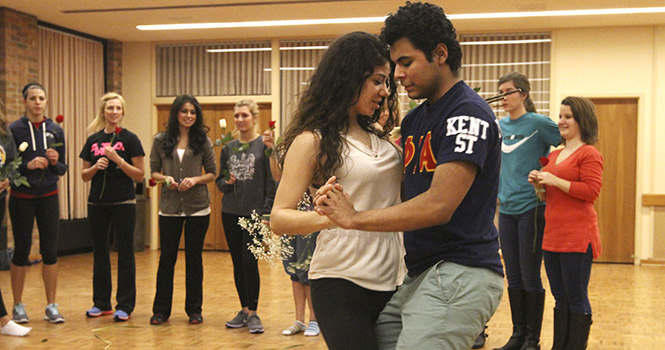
(99, 122)
(253, 109)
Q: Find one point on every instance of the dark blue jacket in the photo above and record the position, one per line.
(41, 181)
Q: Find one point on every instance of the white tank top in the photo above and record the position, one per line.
(372, 260)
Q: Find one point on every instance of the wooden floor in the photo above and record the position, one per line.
(628, 304)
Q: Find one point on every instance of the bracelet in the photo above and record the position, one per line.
(122, 163)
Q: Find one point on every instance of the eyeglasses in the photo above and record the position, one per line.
(501, 97)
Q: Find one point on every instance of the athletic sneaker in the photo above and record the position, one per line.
(96, 312)
(195, 319)
(121, 316)
(158, 319)
(239, 321)
(19, 315)
(254, 324)
(52, 314)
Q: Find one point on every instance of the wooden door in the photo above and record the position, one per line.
(617, 129)
(212, 113)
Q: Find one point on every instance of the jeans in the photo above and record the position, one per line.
(569, 275)
(522, 256)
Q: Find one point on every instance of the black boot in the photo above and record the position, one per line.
(578, 332)
(480, 340)
(535, 302)
(560, 329)
(518, 314)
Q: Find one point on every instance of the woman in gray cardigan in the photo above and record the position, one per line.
(176, 160)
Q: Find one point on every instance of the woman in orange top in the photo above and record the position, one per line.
(572, 181)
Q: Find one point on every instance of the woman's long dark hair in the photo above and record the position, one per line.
(197, 132)
(335, 87)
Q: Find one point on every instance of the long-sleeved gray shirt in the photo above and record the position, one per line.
(254, 188)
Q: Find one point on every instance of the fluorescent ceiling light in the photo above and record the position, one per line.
(289, 68)
(506, 64)
(247, 49)
(615, 11)
(504, 42)
(300, 22)
(304, 48)
(252, 49)
(494, 80)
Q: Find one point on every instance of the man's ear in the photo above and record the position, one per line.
(440, 53)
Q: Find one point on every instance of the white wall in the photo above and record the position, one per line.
(137, 83)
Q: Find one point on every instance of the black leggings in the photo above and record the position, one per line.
(3, 311)
(22, 212)
(245, 266)
(347, 312)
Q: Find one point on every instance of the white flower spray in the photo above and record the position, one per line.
(268, 246)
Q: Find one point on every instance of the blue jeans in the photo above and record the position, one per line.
(523, 259)
(569, 275)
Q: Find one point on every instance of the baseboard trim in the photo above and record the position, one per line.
(652, 262)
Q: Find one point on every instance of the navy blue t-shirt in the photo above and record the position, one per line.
(460, 126)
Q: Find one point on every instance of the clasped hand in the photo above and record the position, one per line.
(542, 178)
(331, 200)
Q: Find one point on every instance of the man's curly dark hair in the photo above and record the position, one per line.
(334, 87)
(425, 25)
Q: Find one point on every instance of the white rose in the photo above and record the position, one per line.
(396, 133)
(23, 146)
(222, 123)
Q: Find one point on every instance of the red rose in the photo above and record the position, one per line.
(152, 182)
(271, 125)
(59, 119)
(118, 130)
(544, 161)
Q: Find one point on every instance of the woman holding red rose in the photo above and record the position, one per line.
(247, 183)
(43, 162)
(112, 160)
(8, 152)
(572, 180)
(177, 159)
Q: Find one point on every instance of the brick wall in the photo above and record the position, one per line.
(113, 66)
(19, 58)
